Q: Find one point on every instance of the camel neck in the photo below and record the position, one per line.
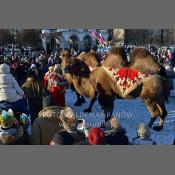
(84, 86)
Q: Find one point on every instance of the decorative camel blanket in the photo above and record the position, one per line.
(128, 79)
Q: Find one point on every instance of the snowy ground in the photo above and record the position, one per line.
(130, 113)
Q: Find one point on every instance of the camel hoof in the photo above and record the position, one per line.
(157, 128)
(87, 110)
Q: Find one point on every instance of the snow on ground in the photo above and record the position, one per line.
(130, 113)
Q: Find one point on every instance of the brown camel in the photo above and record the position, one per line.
(92, 59)
(101, 81)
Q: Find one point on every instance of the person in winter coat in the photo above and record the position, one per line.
(116, 135)
(70, 135)
(33, 90)
(10, 91)
(11, 133)
(143, 136)
(46, 78)
(57, 86)
(46, 125)
(52, 60)
(42, 70)
(169, 71)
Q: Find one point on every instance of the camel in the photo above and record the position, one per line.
(92, 59)
(101, 81)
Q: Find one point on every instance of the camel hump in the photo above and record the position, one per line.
(116, 58)
(140, 52)
(82, 55)
(143, 61)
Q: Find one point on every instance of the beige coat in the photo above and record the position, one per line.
(46, 125)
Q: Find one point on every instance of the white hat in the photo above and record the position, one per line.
(4, 68)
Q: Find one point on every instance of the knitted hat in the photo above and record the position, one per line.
(24, 119)
(96, 137)
(63, 138)
(70, 122)
(7, 119)
(143, 131)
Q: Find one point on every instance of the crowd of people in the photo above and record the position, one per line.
(33, 108)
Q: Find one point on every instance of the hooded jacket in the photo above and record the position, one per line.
(46, 125)
(9, 88)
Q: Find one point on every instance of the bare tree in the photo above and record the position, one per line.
(29, 37)
(5, 36)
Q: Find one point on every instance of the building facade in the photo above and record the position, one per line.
(81, 39)
(77, 39)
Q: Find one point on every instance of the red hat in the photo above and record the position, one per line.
(96, 137)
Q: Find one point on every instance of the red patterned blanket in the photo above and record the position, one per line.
(128, 79)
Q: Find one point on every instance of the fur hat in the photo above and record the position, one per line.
(143, 131)
(70, 122)
(7, 119)
(96, 136)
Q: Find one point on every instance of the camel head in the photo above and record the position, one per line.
(77, 68)
(65, 55)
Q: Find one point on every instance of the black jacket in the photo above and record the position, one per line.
(117, 137)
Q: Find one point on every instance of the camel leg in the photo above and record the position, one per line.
(153, 109)
(82, 99)
(163, 113)
(107, 103)
(89, 109)
(108, 110)
(79, 99)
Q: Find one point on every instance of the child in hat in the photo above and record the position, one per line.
(143, 136)
(10, 131)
